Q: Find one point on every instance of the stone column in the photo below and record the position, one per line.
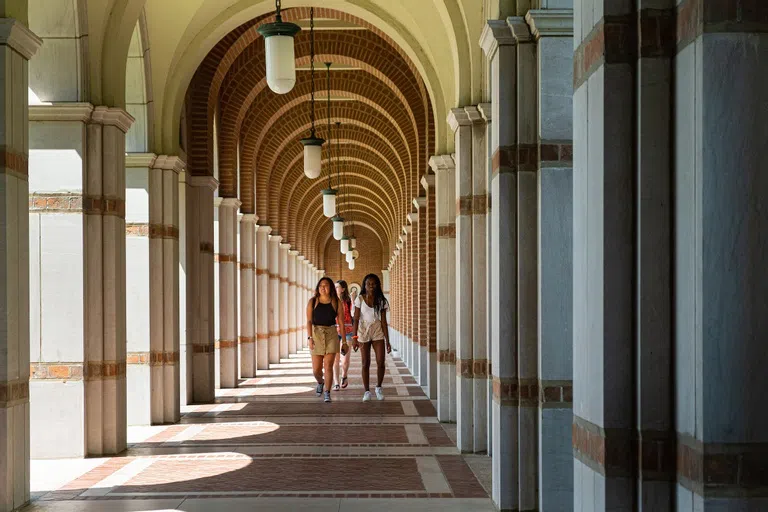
(415, 311)
(200, 289)
(185, 336)
(498, 45)
(478, 209)
(248, 295)
(152, 268)
(292, 310)
(445, 211)
(409, 246)
(262, 290)
(273, 303)
(422, 302)
(527, 261)
(77, 248)
(553, 30)
(283, 301)
(461, 125)
(228, 352)
(430, 227)
(17, 44)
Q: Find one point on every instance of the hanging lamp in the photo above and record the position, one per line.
(313, 145)
(349, 256)
(329, 194)
(281, 60)
(338, 220)
(352, 265)
(344, 244)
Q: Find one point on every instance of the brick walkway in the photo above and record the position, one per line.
(272, 444)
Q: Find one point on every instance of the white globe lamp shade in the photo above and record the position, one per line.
(281, 64)
(352, 265)
(353, 242)
(344, 245)
(313, 150)
(329, 202)
(338, 227)
(349, 256)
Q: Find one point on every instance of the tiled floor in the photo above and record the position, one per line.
(272, 444)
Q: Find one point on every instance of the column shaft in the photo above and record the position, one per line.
(423, 297)
(262, 309)
(248, 296)
(291, 276)
(228, 349)
(429, 224)
(283, 325)
(273, 301)
(415, 256)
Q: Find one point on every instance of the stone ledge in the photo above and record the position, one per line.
(550, 22)
(17, 36)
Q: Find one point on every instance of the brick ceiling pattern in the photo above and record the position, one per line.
(386, 133)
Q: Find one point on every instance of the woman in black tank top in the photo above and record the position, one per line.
(323, 313)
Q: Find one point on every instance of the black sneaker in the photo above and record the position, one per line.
(319, 389)
(327, 396)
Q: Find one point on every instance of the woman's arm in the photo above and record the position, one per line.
(385, 328)
(309, 324)
(355, 323)
(340, 319)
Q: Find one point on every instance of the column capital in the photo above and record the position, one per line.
(168, 163)
(249, 218)
(204, 181)
(112, 116)
(485, 111)
(519, 29)
(285, 247)
(474, 114)
(230, 202)
(264, 229)
(442, 163)
(275, 239)
(293, 254)
(67, 112)
(13, 33)
(413, 218)
(458, 117)
(407, 229)
(419, 202)
(495, 33)
(322, 271)
(428, 181)
(132, 160)
(550, 22)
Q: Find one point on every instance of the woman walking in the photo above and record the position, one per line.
(324, 313)
(345, 331)
(370, 329)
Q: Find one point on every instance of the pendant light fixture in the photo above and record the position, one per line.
(338, 220)
(281, 60)
(349, 256)
(352, 265)
(344, 244)
(313, 145)
(329, 194)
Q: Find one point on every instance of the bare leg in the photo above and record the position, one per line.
(381, 354)
(336, 376)
(328, 363)
(365, 354)
(345, 363)
(317, 368)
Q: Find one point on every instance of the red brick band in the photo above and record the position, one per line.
(225, 258)
(558, 154)
(247, 266)
(247, 340)
(446, 231)
(481, 204)
(610, 452)
(262, 336)
(694, 17)
(464, 205)
(89, 370)
(464, 368)
(198, 348)
(481, 368)
(77, 203)
(13, 392)
(206, 247)
(152, 230)
(276, 277)
(152, 358)
(612, 41)
(16, 163)
(545, 394)
(517, 157)
(262, 272)
(226, 344)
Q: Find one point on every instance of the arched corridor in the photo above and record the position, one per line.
(563, 201)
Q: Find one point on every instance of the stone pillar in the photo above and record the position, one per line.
(478, 210)
(422, 302)
(248, 295)
(553, 30)
(283, 301)
(429, 225)
(461, 125)
(409, 246)
(292, 295)
(386, 284)
(17, 44)
(273, 301)
(415, 311)
(527, 261)
(152, 282)
(77, 244)
(498, 45)
(200, 289)
(228, 353)
(445, 212)
(262, 301)
(185, 336)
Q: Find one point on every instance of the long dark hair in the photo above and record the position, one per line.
(334, 296)
(344, 292)
(379, 300)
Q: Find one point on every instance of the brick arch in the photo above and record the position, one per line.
(264, 118)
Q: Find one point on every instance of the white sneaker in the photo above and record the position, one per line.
(379, 394)
(367, 396)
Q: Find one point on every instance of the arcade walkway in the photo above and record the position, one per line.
(272, 445)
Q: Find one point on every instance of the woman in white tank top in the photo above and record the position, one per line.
(370, 330)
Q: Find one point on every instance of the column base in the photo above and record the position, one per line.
(204, 382)
(423, 366)
(504, 486)
(465, 414)
(15, 455)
